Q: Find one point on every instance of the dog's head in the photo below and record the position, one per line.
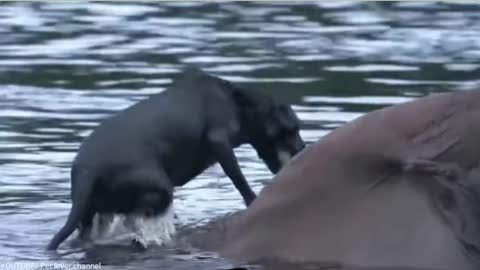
(271, 128)
(275, 136)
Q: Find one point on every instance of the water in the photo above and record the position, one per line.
(66, 66)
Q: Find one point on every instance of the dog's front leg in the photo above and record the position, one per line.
(225, 155)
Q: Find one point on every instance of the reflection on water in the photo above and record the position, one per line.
(65, 66)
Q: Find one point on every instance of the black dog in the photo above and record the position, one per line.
(132, 162)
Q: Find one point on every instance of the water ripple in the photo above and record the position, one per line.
(66, 66)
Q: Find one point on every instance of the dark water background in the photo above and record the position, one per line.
(66, 66)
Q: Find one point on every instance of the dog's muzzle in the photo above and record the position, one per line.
(284, 157)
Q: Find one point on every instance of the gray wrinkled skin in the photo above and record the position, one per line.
(396, 188)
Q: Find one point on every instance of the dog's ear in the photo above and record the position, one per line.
(242, 100)
(283, 109)
(271, 128)
(287, 116)
(271, 122)
(281, 118)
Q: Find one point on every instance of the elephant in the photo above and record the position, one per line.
(397, 188)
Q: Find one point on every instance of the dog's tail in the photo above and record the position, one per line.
(82, 187)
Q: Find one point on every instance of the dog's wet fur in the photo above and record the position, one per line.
(131, 163)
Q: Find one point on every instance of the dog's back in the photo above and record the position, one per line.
(168, 127)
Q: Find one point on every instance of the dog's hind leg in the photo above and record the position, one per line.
(132, 222)
(151, 198)
(157, 229)
(105, 220)
(85, 230)
(82, 189)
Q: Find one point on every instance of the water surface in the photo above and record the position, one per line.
(66, 66)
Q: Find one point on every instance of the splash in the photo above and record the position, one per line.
(122, 229)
